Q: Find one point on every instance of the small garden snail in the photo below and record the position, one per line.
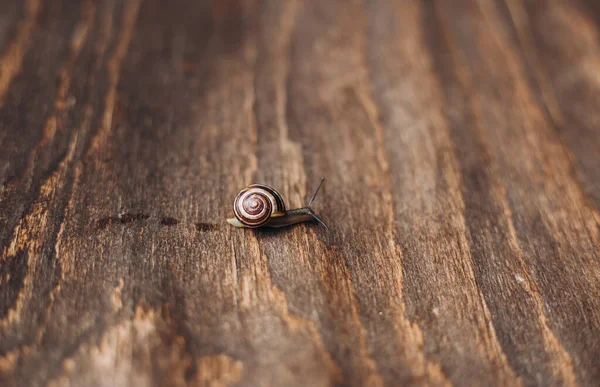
(259, 205)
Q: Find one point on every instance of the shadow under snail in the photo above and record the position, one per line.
(259, 205)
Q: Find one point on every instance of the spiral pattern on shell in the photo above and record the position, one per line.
(255, 204)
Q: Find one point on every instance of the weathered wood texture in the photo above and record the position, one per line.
(461, 144)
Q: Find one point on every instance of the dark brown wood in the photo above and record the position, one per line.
(461, 145)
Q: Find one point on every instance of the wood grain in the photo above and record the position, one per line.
(461, 145)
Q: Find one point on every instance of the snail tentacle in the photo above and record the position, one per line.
(316, 192)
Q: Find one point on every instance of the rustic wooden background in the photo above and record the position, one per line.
(461, 144)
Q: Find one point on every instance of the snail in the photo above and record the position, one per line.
(259, 205)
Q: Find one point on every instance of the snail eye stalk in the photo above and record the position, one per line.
(315, 194)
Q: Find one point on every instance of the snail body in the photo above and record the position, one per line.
(259, 205)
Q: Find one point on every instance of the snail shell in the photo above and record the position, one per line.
(256, 204)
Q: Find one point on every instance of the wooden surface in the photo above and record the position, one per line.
(461, 144)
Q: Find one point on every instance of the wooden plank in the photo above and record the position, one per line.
(460, 147)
